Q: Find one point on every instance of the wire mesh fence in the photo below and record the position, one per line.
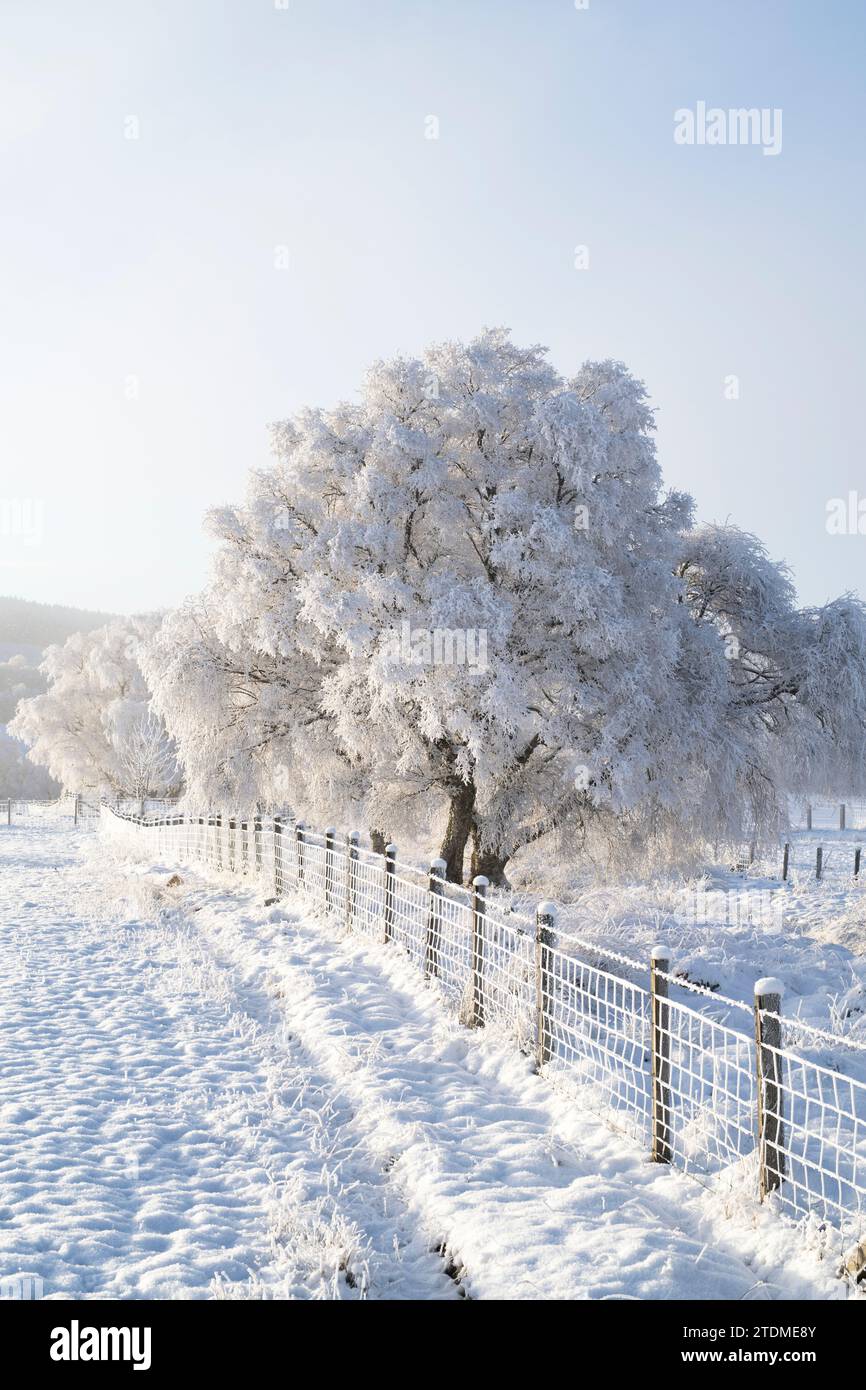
(61, 810)
(823, 814)
(719, 1097)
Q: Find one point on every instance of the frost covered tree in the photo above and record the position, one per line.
(147, 758)
(457, 597)
(797, 677)
(85, 729)
(465, 604)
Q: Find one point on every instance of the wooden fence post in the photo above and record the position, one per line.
(819, 862)
(857, 862)
(785, 858)
(218, 826)
(76, 809)
(545, 923)
(257, 841)
(435, 890)
(390, 870)
(299, 849)
(660, 1042)
(278, 856)
(808, 817)
(245, 846)
(9, 811)
(330, 836)
(768, 1043)
(232, 845)
(480, 884)
(351, 876)
(842, 816)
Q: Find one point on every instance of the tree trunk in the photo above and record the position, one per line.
(378, 840)
(458, 830)
(489, 862)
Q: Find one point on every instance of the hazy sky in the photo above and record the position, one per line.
(149, 333)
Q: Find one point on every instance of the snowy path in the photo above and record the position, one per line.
(204, 1097)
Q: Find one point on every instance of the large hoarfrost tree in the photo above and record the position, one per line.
(458, 597)
(466, 601)
(477, 496)
(90, 728)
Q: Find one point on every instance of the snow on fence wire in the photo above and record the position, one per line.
(822, 814)
(719, 1097)
(63, 809)
(71, 807)
(839, 863)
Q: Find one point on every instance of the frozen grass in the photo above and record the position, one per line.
(206, 1097)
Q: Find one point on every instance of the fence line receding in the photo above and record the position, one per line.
(725, 1101)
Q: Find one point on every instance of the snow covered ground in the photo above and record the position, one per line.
(205, 1097)
(726, 929)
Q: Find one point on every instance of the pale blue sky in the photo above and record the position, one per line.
(261, 127)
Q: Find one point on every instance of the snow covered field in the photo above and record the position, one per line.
(205, 1097)
(726, 929)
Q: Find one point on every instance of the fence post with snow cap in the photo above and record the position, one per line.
(390, 870)
(257, 841)
(660, 1063)
(299, 850)
(351, 875)
(545, 923)
(768, 1043)
(278, 856)
(433, 940)
(330, 837)
(480, 884)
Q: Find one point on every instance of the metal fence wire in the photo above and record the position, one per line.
(61, 811)
(704, 1082)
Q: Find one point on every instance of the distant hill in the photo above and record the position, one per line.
(26, 629)
(26, 626)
